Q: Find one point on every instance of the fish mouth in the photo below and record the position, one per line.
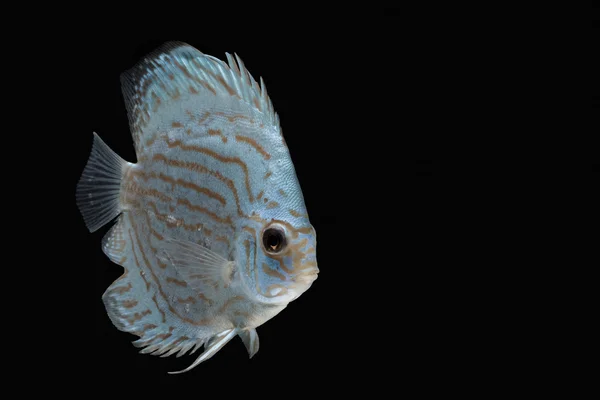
(307, 272)
(307, 276)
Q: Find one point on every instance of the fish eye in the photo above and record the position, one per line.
(273, 240)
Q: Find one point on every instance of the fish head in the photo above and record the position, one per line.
(283, 242)
(288, 260)
(280, 261)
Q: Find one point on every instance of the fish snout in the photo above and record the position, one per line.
(308, 271)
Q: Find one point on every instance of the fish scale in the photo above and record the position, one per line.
(212, 228)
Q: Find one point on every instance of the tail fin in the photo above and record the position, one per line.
(98, 190)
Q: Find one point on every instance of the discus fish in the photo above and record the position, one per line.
(212, 228)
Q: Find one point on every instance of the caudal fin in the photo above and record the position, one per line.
(98, 190)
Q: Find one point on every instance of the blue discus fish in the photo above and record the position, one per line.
(212, 229)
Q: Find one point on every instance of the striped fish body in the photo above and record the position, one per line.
(212, 228)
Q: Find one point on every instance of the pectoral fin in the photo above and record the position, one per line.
(215, 344)
(250, 339)
(199, 266)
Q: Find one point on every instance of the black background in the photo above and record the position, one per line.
(362, 99)
(362, 154)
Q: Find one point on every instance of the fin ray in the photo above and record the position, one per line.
(213, 346)
(196, 264)
(98, 189)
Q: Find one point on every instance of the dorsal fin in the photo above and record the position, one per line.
(175, 71)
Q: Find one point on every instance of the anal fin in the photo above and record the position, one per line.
(134, 306)
(114, 243)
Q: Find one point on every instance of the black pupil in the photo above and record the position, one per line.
(273, 239)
